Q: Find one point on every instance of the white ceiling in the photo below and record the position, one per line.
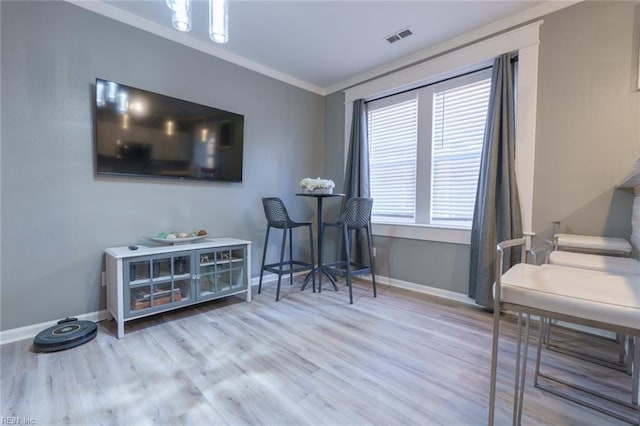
(325, 46)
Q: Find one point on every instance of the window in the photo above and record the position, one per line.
(424, 152)
(393, 142)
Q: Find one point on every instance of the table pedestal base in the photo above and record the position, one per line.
(319, 271)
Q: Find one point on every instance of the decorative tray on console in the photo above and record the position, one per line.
(173, 238)
(177, 240)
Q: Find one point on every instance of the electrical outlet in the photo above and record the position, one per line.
(103, 279)
(374, 252)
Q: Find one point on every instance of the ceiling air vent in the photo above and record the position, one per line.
(398, 35)
(405, 33)
(393, 38)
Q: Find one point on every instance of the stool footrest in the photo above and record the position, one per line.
(631, 409)
(340, 268)
(289, 266)
(588, 357)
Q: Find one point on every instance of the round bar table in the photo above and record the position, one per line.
(319, 269)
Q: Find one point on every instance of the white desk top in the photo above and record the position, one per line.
(143, 250)
(596, 262)
(580, 293)
(593, 242)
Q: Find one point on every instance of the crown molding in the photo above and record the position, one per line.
(455, 43)
(504, 24)
(112, 12)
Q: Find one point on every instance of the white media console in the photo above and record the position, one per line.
(155, 279)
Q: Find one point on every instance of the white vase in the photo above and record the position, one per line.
(319, 191)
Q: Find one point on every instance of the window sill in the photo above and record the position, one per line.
(423, 232)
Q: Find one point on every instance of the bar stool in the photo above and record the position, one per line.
(355, 216)
(582, 296)
(599, 253)
(277, 217)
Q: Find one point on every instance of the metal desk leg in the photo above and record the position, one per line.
(494, 358)
(516, 387)
(634, 353)
(523, 373)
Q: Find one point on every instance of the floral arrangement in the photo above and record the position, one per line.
(310, 184)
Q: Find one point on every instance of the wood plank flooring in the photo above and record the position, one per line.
(310, 359)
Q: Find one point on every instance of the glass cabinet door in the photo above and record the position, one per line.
(182, 279)
(139, 283)
(233, 268)
(155, 282)
(221, 271)
(208, 285)
(139, 271)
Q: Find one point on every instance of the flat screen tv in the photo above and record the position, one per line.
(141, 133)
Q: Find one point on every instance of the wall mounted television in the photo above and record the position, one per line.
(141, 133)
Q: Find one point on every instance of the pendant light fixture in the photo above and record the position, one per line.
(218, 18)
(181, 18)
(178, 5)
(218, 21)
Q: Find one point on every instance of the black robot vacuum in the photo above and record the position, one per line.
(68, 333)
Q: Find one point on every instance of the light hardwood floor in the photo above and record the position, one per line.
(310, 359)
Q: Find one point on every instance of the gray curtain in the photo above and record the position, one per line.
(356, 178)
(497, 214)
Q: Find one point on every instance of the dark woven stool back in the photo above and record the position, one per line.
(357, 213)
(276, 212)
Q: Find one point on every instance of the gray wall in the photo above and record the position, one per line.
(588, 135)
(588, 128)
(58, 217)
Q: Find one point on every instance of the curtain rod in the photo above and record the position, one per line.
(514, 59)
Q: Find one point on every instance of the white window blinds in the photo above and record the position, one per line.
(424, 152)
(392, 131)
(459, 116)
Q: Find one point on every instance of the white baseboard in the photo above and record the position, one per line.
(406, 285)
(422, 288)
(269, 277)
(30, 331)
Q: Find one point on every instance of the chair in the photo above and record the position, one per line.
(581, 296)
(605, 254)
(277, 217)
(355, 216)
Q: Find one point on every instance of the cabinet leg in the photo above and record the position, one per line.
(120, 329)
